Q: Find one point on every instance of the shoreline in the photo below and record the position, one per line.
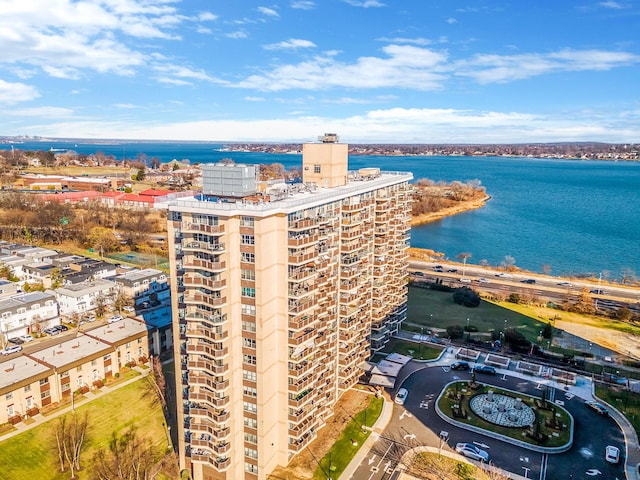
(449, 211)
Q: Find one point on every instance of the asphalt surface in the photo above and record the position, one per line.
(416, 424)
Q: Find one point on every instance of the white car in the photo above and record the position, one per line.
(128, 308)
(10, 350)
(401, 396)
(115, 318)
(26, 338)
(465, 280)
(483, 280)
(612, 454)
(469, 450)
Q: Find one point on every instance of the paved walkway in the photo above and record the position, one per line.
(584, 389)
(40, 419)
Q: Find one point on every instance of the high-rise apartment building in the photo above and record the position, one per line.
(280, 294)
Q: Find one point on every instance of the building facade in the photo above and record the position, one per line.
(281, 294)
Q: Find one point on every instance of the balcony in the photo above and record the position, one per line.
(308, 334)
(302, 274)
(301, 224)
(207, 333)
(297, 259)
(216, 416)
(209, 398)
(210, 351)
(208, 366)
(196, 263)
(208, 381)
(299, 322)
(200, 298)
(203, 247)
(303, 240)
(195, 280)
(296, 306)
(190, 227)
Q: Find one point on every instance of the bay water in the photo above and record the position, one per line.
(578, 217)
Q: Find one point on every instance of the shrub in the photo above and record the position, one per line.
(470, 328)
(466, 297)
(455, 331)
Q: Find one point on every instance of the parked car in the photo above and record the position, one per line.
(128, 308)
(612, 454)
(10, 350)
(488, 369)
(26, 338)
(61, 328)
(469, 450)
(459, 366)
(90, 318)
(51, 331)
(115, 318)
(16, 341)
(145, 304)
(598, 408)
(401, 396)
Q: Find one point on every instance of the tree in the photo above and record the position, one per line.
(101, 305)
(546, 269)
(464, 256)
(128, 458)
(103, 240)
(467, 297)
(508, 262)
(70, 433)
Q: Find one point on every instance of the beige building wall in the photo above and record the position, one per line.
(275, 308)
(325, 164)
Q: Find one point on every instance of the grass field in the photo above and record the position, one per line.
(628, 403)
(433, 309)
(343, 450)
(33, 454)
(413, 349)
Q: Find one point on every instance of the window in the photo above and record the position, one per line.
(80, 381)
(250, 468)
(10, 411)
(249, 292)
(94, 363)
(44, 381)
(107, 357)
(250, 452)
(316, 168)
(250, 376)
(249, 310)
(251, 438)
(249, 343)
(9, 396)
(246, 222)
(248, 274)
(66, 386)
(247, 240)
(250, 392)
(250, 422)
(27, 388)
(250, 407)
(248, 326)
(249, 359)
(29, 402)
(128, 344)
(45, 394)
(247, 257)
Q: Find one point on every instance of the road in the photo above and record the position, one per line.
(553, 288)
(416, 423)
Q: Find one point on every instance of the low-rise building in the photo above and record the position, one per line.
(83, 297)
(31, 382)
(28, 312)
(144, 284)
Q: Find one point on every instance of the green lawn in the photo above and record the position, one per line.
(343, 451)
(33, 454)
(412, 349)
(432, 309)
(628, 403)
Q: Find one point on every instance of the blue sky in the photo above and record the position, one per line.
(374, 71)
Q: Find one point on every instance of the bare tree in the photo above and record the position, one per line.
(70, 433)
(464, 256)
(508, 262)
(546, 269)
(128, 458)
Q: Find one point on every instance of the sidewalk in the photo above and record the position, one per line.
(40, 419)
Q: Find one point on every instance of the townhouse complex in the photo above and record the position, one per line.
(281, 293)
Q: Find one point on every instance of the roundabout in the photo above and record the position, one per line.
(502, 409)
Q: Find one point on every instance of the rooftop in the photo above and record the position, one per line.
(118, 331)
(18, 369)
(71, 351)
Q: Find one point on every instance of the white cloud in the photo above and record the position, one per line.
(365, 3)
(413, 41)
(179, 75)
(451, 21)
(254, 99)
(292, 43)
(303, 4)
(395, 125)
(207, 17)
(613, 5)
(405, 66)
(237, 35)
(124, 105)
(505, 68)
(11, 93)
(41, 112)
(269, 12)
